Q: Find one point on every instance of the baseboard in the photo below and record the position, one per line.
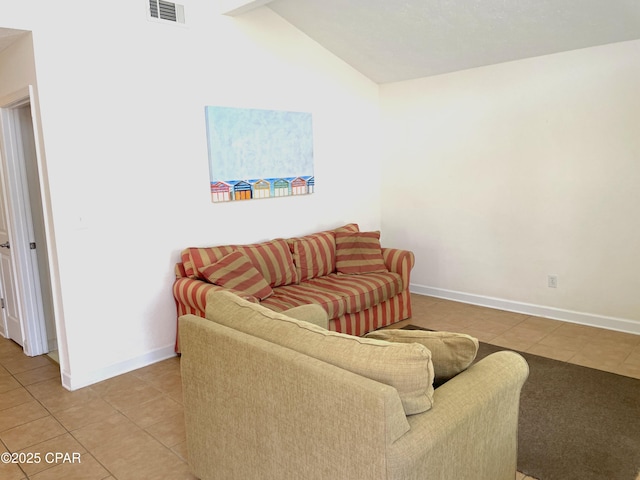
(582, 318)
(84, 379)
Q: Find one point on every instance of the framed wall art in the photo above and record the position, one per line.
(257, 153)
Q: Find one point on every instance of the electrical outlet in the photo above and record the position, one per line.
(552, 281)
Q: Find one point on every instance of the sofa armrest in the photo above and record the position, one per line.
(399, 261)
(471, 431)
(254, 409)
(192, 293)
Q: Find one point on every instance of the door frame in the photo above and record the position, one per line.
(20, 223)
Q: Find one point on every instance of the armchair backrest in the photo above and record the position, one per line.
(256, 410)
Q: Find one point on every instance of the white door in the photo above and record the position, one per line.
(10, 313)
(21, 284)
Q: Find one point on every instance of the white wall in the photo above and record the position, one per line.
(18, 66)
(494, 177)
(122, 105)
(498, 176)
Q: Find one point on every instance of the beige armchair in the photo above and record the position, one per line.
(257, 410)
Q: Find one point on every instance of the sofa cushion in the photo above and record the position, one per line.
(272, 259)
(405, 366)
(338, 294)
(451, 353)
(235, 271)
(290, 296)
(359, 252)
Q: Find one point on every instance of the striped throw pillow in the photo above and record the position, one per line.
(236, 272)
(314, 255)
(349, 227)
(272, 259)
(359, 252)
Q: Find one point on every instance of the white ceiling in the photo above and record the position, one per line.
(393, 40)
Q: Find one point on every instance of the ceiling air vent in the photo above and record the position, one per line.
(171, 12)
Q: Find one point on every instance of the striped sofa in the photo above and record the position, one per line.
(360, 285)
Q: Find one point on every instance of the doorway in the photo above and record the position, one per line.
(25, 286)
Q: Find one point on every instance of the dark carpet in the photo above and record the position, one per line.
(576, 423)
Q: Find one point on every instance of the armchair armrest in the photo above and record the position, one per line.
(474, 414)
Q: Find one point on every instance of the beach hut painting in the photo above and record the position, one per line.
(261, 189)
(256, 154)
(220, 192)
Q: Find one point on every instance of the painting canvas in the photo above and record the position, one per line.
(257, 153)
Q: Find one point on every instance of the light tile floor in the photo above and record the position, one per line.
(593, 347)
(132, 426)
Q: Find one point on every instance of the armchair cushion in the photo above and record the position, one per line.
(451, 353)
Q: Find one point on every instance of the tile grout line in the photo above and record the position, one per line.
(52, 415)
(575, 353)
